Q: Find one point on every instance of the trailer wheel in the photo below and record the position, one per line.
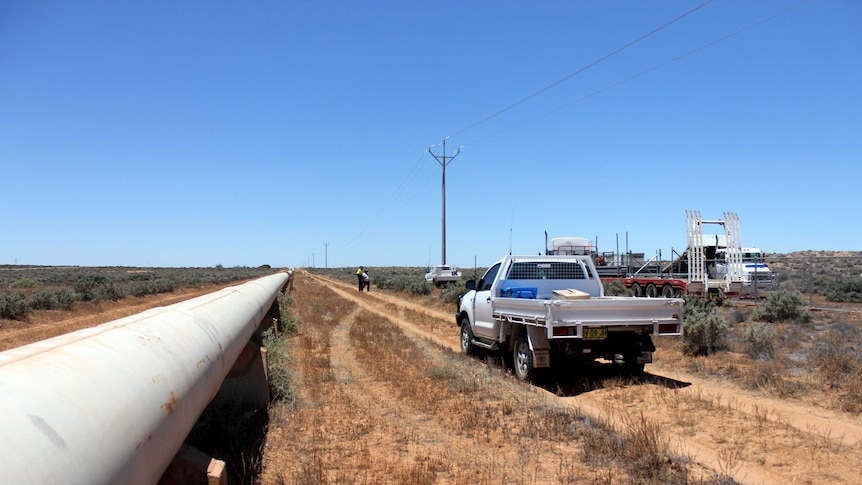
(636, 289)
(667, 291)
(679, 293)
(651, 291)
(466, 337)
(522, 359)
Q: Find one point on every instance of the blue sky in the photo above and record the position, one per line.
(186, 133)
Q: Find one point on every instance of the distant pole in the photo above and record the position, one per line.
(443, 162)
(810, 281)
(312, 260)
(326, 255)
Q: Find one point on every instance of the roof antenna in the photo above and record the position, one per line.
(511, 223)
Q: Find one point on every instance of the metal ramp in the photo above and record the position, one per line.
(697, 261)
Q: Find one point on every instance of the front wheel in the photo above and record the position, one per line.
(522, 358)
(466, 337)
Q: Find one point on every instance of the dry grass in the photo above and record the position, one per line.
(378, 406)
(817, 362)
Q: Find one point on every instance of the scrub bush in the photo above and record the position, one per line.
(760, 340)
(705, 329)
(24, 283)
(13, 307)
(847, 290)
(782, 306)
(50, 299)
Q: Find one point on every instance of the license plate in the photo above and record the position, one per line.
(595, 333)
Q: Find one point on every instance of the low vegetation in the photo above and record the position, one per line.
(782, 306)
(705, 328)
(24, 289)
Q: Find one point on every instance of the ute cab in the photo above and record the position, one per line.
(441, 274)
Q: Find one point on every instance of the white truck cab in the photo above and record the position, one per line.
(755, 272)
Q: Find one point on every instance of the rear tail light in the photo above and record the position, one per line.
(668, 328)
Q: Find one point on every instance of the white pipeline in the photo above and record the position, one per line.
(113, 403)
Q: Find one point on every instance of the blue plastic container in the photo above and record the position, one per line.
(528, 292)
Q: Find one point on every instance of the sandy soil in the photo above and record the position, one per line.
(714, 426)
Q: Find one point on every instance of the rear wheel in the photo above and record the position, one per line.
(522, 358)
(631, 366)
(636, 289)
(466, 337)
(651, 291)
(667, 291)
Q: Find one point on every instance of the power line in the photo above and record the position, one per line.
(642, 73)
(411, 175)
(597, 61)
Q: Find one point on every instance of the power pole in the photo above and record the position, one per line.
(443, 161)
(326, 255)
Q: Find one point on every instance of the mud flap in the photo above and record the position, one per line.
(645, 357)
(538, 342)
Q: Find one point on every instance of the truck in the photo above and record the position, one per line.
(440, 274)
(712, 265)
(552, 308)
(756, 275)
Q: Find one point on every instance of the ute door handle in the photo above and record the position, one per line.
(488, 300)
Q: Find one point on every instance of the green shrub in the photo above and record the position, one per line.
(281, 385)
(96, 287)
(24, 283)
(847, 290)
(290, 322)
(451, 292)
(13, 307)
(616, 288)
(760, 340)
(153, 286)
(705, 329)
(50, 299)
(782, 306)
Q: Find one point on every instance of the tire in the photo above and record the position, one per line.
(651, 291)
(678, 293)
(631, 366)
(667, 291)
(522, 359)
(636, 290)
(466, 337)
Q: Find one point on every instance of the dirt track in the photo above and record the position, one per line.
(718, 427)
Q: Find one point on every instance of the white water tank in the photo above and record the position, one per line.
(570, 245)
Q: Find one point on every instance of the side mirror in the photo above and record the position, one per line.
(470, 284)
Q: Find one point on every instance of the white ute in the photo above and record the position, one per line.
(545, 308)
(441, 273)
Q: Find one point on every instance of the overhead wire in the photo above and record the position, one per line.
(414, 170)
(643, 73)
(411, 175)
(588, 66)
